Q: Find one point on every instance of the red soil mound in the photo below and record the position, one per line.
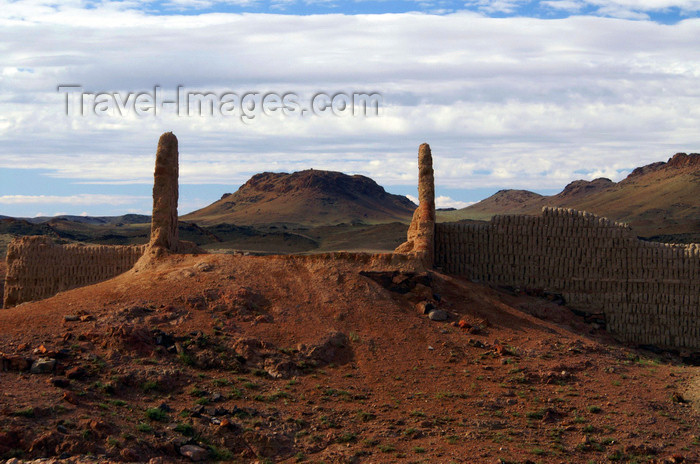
(295, 359)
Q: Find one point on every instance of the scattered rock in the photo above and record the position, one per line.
(269, 445)
(76, 373)
(502, 350)
(470, 328)
(163, 339)
(280, 368)
(678, 398)
(16, 363)
(262, 319)
(438, 315)
(424, 307)
(422, 291)
(71, 317)
(46, 443)
(60, 382)
(194, 452)
(204, 267)
(329, 350)
(130, 455)
(641, 450)
(399, 282)
(11, 439)
(43, 366)
(70, 397)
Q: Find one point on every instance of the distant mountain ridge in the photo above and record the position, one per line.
(658, 199)
(311, 197)
(96, 220)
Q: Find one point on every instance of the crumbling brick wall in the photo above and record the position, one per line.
(38, 268)
(649, 292)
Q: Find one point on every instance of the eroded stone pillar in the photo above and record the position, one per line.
(165, 194)
(421, 233)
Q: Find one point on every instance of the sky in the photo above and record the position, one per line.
(508, 93)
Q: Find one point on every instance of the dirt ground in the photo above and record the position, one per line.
(3, 271)
(304, 359)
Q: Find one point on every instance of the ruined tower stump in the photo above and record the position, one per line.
(165, 195)
(420, 239)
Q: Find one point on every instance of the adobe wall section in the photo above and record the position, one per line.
(38, 268)
(649, 292)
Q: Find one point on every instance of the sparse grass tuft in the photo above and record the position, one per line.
(156, 414)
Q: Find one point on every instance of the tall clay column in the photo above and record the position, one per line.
(165, 194)
(421, 233)
(426, 184)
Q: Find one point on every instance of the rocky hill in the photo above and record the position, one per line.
(310, 197)
(658, 200)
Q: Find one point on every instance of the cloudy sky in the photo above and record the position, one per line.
(509, 93)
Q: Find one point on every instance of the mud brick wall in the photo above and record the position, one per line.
(38, 268)
(649, 292)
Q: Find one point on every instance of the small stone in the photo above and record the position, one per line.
(130, 455)
(437, 315)
(70, 397)
(61, 429)
(41, 350)
(17, 363)
(71, 318)
(422, 291)
(262, 319)
(197, 411)
(204, 267)
(60, 382)
(76, 373)
(424, 307)
(43, 366)
(194, 452)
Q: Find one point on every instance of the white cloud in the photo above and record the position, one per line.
(649, 5)
(201, 4)
(81, 199)
(442, 201)
(508, 102)
(496, 6)
(571, 6)
(615, 10)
